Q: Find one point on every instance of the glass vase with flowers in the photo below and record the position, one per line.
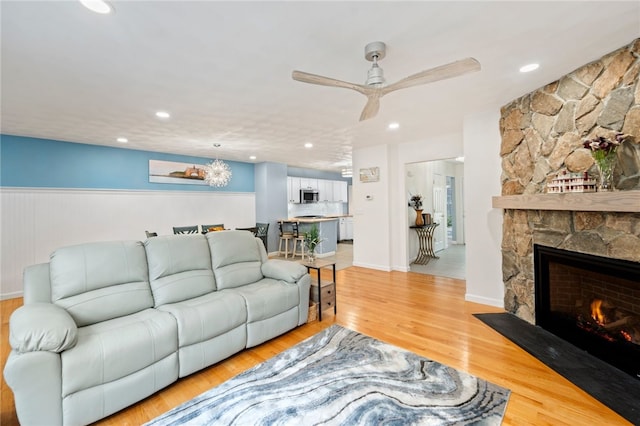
(311, 240)
(603, 151)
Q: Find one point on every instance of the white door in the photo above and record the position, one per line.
(439, 212)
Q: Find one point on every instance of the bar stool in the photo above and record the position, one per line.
(298, 241)
(285, 237)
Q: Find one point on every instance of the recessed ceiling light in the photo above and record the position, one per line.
(460, 159)
(253, 157)
(163, 114)
(393, 126)
(122, 140)
(308, 145)
(529, 67)
(97, 6)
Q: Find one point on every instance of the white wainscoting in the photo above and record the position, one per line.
(35, 221)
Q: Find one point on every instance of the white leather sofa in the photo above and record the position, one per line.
(105, 325)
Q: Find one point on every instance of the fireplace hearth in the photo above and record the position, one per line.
(592, 302)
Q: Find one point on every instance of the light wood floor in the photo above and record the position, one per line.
(421, 313)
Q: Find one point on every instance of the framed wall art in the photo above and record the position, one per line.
(174, 172)
(370, 174)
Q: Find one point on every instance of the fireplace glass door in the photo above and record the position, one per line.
(592, 302)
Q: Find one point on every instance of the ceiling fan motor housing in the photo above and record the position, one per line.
(375, 76)
(373, 52)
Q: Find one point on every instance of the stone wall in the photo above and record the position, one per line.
(542, 134)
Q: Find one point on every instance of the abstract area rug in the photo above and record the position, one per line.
(341, 377)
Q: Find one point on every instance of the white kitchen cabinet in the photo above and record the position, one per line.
(342, 228)
(307, 183)
(345, 228)
(325, 190)
(348, 228)
(339, 191)
(293, 189)
(328, 190)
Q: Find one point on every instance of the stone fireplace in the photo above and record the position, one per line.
(542, 135)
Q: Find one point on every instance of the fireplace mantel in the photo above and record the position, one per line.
(616, 201)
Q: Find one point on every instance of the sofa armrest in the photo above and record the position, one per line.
(283, 270)
(37, 287)
(42, 327)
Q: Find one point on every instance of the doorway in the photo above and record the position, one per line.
(440, 183)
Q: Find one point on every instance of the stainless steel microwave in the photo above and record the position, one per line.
(308, 196)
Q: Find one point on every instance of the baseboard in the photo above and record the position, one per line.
(499, 303)
(12, 295)
(371, 266)
(401, 268)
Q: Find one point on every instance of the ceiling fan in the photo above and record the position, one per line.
(375, 87)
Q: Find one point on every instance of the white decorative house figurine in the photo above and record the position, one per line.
(571, 182)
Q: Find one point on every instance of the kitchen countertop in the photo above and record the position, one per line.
(311, 220)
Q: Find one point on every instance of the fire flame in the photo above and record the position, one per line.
(596, 312)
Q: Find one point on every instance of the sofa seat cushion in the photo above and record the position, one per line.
(268, 298)
(110, 350)
(208, 316)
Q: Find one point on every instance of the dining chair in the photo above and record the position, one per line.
(151, 234)
(209, 228)
(262, 232)
(185, 229)
(286, 235)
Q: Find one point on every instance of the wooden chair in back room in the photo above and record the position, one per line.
(286, 235)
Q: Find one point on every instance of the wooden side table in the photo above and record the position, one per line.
(325, 290)
(425, 240)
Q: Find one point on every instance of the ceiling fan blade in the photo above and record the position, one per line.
(306, 77)
(371, 108)
(453, 69)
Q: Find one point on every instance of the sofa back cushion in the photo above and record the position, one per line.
(95, 282)
(235, 258)
(179, 267)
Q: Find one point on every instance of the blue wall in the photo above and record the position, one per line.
(31, 162)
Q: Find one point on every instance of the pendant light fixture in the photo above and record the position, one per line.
(218, 173)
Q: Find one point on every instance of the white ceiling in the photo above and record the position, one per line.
(223, 70)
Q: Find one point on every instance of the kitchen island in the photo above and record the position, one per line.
(328, 230)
